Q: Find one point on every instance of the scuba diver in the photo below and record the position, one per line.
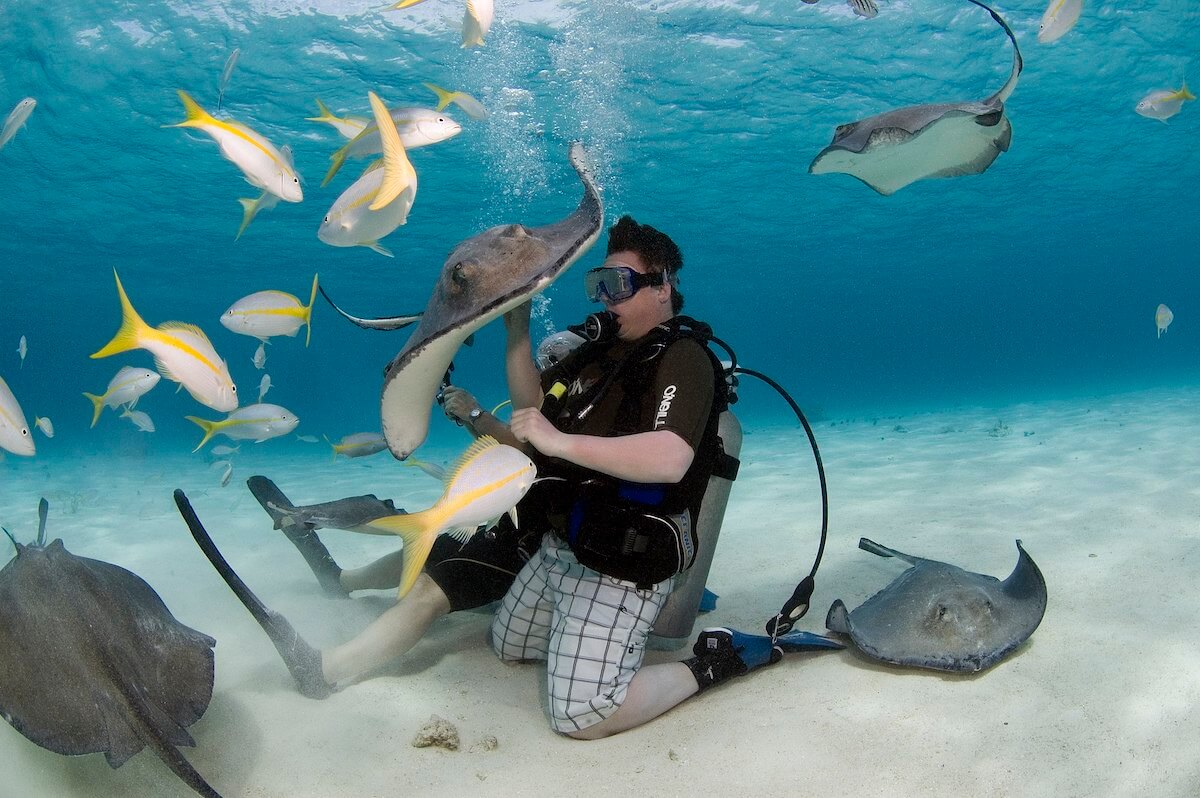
(622, 417)
(624, 433)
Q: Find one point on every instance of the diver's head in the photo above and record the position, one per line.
(659, 254)
(638, 299)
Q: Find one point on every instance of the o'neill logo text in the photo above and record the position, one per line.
(664, 406)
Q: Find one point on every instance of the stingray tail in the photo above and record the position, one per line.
(866, 544)
(149, 722)
(302, 660)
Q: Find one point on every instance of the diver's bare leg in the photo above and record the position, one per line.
(392, 634)
(383, 574)
(653, 690)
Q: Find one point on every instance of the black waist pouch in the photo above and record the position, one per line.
(621, 538)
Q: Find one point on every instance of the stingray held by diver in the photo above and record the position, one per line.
(938, 616)
(92, 661)
(895, 148)
(484, 277)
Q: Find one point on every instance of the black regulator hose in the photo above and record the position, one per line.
(797, 606)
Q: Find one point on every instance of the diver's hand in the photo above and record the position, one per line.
(517, 319)
(530, 426)
(458, 403)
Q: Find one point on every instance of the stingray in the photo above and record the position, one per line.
(300, 525)
(92, 661)
(893, 149)
(352, 513)
(939, 616)
(484, 277)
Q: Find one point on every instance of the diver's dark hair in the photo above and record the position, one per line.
(659, 252)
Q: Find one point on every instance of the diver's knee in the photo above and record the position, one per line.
(596, 732)
(429, 595)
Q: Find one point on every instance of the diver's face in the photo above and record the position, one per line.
(648, 307)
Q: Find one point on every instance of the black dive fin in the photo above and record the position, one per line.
(302, 660)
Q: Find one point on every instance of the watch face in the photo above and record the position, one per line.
(476, 413)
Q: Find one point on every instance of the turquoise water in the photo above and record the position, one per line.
(1038, 278)
(1005, 321)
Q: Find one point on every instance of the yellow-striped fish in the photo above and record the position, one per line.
(378, 202)
(486, 482)
(348, 126)
(360, 444)
(125, 388)
(267, 313)
(260, 161)
(1060, 16)
(418, 127)
(256, 423)
(182, 354)
(476, 21)
(473, 107)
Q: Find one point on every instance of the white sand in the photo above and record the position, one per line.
(1101, 701)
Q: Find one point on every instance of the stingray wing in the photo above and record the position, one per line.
(93, 661)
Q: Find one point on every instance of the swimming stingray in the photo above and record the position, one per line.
(92, 661)
(484, 277)
(352, 513)
(939, 616)
(893, 149)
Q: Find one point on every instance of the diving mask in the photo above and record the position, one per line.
(614, 284)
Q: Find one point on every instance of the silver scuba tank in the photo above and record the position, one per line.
(677, 617)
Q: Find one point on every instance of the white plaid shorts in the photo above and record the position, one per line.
(590, 629)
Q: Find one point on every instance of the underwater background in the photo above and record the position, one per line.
(1037, 279)
(1003, 324)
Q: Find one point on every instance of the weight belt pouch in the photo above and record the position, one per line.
(625, 540)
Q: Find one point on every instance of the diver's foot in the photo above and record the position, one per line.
(302, 535)
(721, 654)
(302, 659)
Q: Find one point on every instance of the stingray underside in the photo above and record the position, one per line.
(894, 149)
(942, 617)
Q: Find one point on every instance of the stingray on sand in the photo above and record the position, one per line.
(938, 616)
(92, 661)
(890, 150)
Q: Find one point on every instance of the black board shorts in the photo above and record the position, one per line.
(480, 571)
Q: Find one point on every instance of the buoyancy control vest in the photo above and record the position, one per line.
(636, 531)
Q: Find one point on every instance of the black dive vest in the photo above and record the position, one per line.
(625, 529)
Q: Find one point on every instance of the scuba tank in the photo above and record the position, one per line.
(674, 625)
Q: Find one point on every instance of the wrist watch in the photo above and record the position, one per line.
(475, 414)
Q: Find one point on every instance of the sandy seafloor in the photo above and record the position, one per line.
(1103, 700)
